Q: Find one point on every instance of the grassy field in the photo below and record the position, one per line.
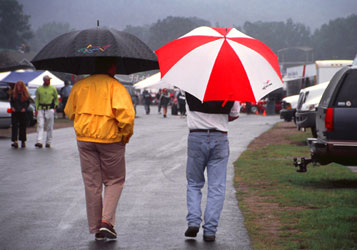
(284, 209)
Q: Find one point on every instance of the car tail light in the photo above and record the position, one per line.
(9, 110)
(329, 119)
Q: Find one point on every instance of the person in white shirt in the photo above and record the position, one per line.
(208, 148)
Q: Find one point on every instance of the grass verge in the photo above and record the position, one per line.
(284, 209)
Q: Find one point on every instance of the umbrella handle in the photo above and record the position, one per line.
(224, 103)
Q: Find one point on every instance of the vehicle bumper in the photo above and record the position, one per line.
(305, 119)
(5, 122)
(287, 114)
(342, 152)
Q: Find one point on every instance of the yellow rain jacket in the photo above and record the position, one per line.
(102, 110)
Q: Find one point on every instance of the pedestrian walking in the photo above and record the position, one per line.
(103, 116)
(46, 103)
(181, 98)
(64, 92)
(208, 149)
(164, 101)
(158, 100)
(147, 101)
(19, 101)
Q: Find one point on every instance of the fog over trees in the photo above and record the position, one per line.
(289, 39)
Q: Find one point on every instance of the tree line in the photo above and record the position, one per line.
(291, 41)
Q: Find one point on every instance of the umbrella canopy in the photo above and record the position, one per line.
(79, 52)
(11, 60)
(152, 82)
(219, 64)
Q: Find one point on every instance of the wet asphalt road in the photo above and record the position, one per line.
(42, 196)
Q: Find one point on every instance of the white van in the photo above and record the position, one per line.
(309, 99)
(288, 110)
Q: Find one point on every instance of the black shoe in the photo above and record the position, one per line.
(23, 144)
(100, 236)
(48, 145)
(192, 231)
(108, 231)
(38, 145)
(209, 238)
(15, 145)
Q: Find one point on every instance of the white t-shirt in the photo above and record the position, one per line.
(199, 120)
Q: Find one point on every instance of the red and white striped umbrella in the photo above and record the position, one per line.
(219, 64)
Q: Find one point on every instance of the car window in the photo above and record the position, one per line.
(4, 96)
(301, 100)
(347, 97)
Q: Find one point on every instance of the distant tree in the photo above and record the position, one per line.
(48, 32)
(279, 35)
(170, 28)
(166, 30)
(15, 29)
(337, 39)
(141, 32)
(293, 39)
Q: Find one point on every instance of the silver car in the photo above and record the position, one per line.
(5, 116)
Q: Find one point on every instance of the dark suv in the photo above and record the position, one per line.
(336, 123)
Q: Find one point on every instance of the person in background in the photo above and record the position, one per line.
(158, 99)
(64, 92)
(182, 102)
(46, 103)
(147, 100)
(103, 116)
(164, 101)
(19, 101)
(208, 148)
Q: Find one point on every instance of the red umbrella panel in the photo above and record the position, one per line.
(216, 64)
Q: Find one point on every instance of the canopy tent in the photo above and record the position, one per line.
(4, 74)
(33, 79)
(152, 82)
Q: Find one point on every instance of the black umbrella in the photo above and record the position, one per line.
(79, 52)
(11, 60)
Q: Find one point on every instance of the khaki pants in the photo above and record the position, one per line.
(102, 163)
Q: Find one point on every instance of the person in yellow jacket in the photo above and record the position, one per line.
(103, 116)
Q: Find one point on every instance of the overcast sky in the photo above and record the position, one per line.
(82, 14)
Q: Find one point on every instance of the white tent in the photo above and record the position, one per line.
(38, 81)
(152, 82)
(4, 74)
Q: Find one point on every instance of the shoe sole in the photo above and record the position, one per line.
(107, 233)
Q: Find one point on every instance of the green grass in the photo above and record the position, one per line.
(316, 209)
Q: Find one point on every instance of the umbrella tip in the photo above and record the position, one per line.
(97, 23)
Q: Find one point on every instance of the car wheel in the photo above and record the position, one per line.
(253, 109)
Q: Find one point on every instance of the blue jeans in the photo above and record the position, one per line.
(211, 151)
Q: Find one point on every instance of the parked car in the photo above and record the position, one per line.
(5, 115)
(336, 123)
(288, 104)
(308, 100)
(253, 107)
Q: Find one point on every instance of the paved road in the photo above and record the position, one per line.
(42, 197)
